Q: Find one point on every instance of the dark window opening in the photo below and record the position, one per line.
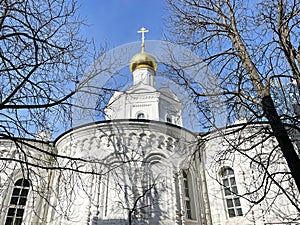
(188, 194)
(168, 119)
(141, 116)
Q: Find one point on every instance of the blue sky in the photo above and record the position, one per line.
(116, 21)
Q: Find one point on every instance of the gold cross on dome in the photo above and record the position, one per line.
(143, 30)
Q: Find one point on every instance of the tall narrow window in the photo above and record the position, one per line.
(169, 119)
(17, 202)
(233, 204)
(188, 195)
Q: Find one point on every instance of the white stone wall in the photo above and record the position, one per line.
(25, 159)
(134, 167)
(105, 170)
(154, 104)
(220, 151)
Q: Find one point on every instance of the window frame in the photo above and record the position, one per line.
(17, 202)
(188, 195)
(230, 192)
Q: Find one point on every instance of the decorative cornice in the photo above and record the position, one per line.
(100, 144)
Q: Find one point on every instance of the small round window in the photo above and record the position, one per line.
(141, 116)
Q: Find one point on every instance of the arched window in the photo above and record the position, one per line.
(141, 116)
(233, 203)
(188, 195)
(169, 119)
(17, 202)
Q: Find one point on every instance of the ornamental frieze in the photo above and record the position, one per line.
(145, 141)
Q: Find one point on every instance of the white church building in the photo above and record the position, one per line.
(139, 166)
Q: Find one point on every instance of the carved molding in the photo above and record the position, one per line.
(137, 141)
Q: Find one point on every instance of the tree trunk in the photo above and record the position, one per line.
(282, 137)
(130, 217)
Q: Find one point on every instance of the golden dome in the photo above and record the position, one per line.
(143, 60)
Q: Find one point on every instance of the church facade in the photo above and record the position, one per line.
(139, 166)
